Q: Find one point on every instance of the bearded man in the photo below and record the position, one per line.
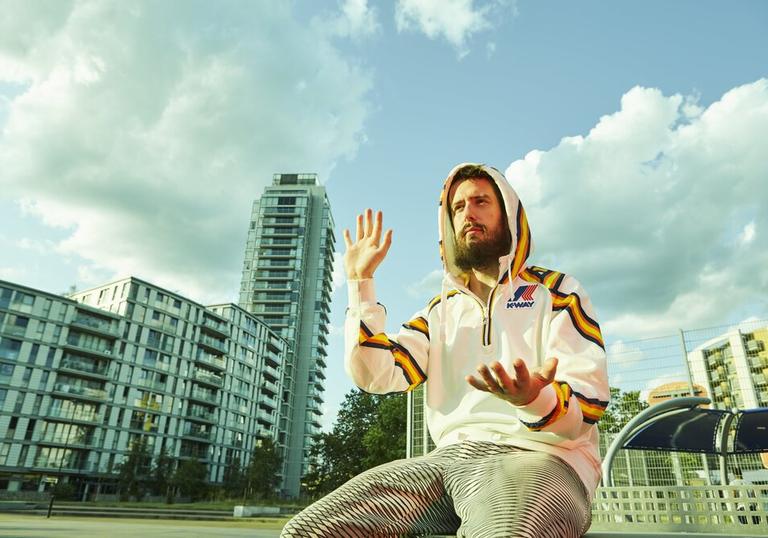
(514, 369)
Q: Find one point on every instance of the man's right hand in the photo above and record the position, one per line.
(368, 251)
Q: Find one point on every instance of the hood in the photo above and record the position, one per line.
(522, 244)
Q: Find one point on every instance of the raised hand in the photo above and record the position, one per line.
(364, 255)
(518, 390)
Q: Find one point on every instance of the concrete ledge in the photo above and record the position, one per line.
(256, 511)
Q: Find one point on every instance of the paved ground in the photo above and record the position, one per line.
(24, 526)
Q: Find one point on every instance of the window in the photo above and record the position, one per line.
(9, 348)
(33, 353)
(27, 375)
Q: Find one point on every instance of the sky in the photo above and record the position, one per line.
(135, 135)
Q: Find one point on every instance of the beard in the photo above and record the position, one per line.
(484, 253)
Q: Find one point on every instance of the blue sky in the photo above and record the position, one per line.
(134, 137)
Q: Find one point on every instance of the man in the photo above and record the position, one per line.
(516, 435)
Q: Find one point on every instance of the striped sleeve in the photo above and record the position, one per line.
(580, 394)
(378, 362)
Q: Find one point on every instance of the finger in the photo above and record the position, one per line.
(478, 384)
(522, 374)
(377, 228)
(368, 222)
(347, 238)
(509, 385)
(384, 247)
(359, 232)
(549, 369)
(487, 376)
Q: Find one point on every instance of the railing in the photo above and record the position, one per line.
(208, 377)
(79, 365)
(730, 510)
(203, 395)
(213, 360)
(213, 343)
(98, 394)
(218, 326)
(80, 416)
(106, 327)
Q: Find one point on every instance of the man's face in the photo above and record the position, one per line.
(481, 236)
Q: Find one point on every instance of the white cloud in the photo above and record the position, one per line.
(11, 273)
(453, 20)
(145, 131)
(429, 285)
(652, 209)
(748, 234)
(357, 19)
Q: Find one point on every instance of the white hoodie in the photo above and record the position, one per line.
(535, 315)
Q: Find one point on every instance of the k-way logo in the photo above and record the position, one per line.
(523, 297)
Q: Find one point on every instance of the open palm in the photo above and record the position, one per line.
(368, 250)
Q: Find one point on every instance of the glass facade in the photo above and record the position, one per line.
(287, 282)
(84, 377)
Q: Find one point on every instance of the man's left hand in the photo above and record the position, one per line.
(520, 389)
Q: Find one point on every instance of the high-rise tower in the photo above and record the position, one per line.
(287, 282)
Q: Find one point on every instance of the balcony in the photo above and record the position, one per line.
(197, 431)
(210, 378)
(212, 344)
(216, 361)
(102, 352)
(94, 325)
(80, 391)
(200, 414)
(214, 326)
(268, 385)
(84, 366)
(263, 416)
(73, 441)
(152, 384)
(203, 395)
(268, 401)
(73, 416)
(200, 453)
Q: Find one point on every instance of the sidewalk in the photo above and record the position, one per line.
(28, 526)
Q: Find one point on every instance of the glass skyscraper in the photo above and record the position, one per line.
(287, 282)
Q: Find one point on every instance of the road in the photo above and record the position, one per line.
(28, 526)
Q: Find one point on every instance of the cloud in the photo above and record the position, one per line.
(356, 20)
(659, 209)
(429, 285)
(453, 20)
(145, 131)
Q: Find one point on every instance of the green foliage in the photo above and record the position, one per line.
(369, 431)
(263, 471)
(623, 407)
(190, 479)
(133, 471)
(161, 477)
(235, 479)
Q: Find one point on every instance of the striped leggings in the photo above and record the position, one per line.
(474, 489)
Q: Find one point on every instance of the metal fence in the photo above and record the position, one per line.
(728, 364)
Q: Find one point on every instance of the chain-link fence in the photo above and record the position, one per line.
(727, 364)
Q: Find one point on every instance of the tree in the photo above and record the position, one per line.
(162, 475)
(623, 407)
(190, 479)
(369, 431)
(234, 479)
(133, 471)
(264, 469)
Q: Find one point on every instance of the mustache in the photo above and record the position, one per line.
(468, 227)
